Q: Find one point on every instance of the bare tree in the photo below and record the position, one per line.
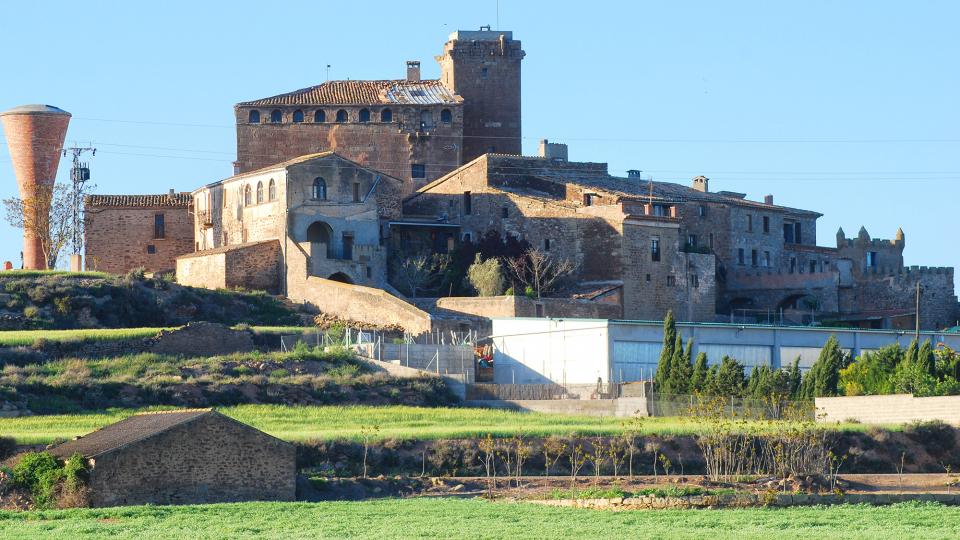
(418, 272)
(539, 271)
(47, 216)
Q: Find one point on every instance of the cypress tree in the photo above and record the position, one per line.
(825, 373)
(911, 355)
(752, 381)
(793, 379)
(926, 362)
(664, 369)
(698, 379)
(680, 368)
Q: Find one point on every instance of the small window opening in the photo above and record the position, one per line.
(254, 117)
(297, 116)
(276, 116)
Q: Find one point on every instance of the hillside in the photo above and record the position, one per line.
(62, 300)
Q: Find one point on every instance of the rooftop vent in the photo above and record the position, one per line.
(413, 71)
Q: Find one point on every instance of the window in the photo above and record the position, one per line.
(276, 116)
(813, 267)
(446, 116)
(749, 223)
(660, 210)
(223, 195)
(766, 259)
(319, 117)
(386, 115)
(740, 255)
(671, 281)
(648, 277)
(505, 212)
(247, 195)
(364, 115)
(484, 73)
(588, 199)
(711, 240)
(319, 188)
(467, 237)
(467, 203)
(788, 233)
(694, 281)
(158, 226)
(871, 259)
(348, 246)
(766, 224)
(793, 264)
(692, 240)
(254, 117)
(655, 249)
(225, 239)
(418, 170)
(546, 244)
(426, 120)
(341, 116)
(272, 190)
(297, 116)
(259, 192)
(753, 257)
(796, 233)
(151, 249)
(356, 192)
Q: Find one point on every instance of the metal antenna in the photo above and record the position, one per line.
(328, 72)
(498, 14)
(79, 175)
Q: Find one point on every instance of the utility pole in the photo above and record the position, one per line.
(917, 315)
(79, 175)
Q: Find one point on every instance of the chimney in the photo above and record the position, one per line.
(553, 151)
(701, 183)
(413, 71)
(173, 193)
(633, 173)
(768, 200)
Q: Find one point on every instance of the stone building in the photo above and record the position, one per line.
(322, 209)
(183, 457)
(607, 227)
(123, 232)
(410, 128)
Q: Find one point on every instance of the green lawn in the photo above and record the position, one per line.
(296, 423)
(477, 518)
(12, 338)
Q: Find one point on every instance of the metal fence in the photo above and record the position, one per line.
(545, 391)
(732, 407)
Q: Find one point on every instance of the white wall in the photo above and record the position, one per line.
(561, 351)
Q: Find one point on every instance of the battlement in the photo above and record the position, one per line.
(911, 273)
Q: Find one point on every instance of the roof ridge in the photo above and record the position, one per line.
(175, 411)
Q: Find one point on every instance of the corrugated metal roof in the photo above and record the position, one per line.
(384, 92)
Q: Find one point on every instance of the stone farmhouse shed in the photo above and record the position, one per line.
(183, 457)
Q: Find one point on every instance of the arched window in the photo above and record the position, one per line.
(386, 115)
(272, 190)
(446, 116)
(259, 192)
(426, 119)
(320, 117)
(319, 233)
(297, 116)
(247, 195)
(319, 188)
(254, 117)
(341, 116)
(364, 115)
(276, 116)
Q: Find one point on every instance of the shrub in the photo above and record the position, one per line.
(486, 276)
(935, 436)
(31, 312)
(8, 445)
(136, 274)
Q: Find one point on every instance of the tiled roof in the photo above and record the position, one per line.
(131, 429)
(177, 200)
(386, 92)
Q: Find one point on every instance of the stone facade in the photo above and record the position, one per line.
(194, 457)
(255, 265)
(124, 232)
(412, 129)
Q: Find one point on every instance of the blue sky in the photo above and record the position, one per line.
(848, 108)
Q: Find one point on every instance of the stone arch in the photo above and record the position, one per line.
(319, 232)
(800, 301)
(341, 277)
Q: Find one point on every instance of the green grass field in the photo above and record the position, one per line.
(12, 338)
(42, 273)
(477, 518)
(295, 423)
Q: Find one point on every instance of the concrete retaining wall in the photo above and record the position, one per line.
(893, 409)
(622, 407)
(454, 359)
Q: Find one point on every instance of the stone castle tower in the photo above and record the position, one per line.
(484, 68)
(35, 135)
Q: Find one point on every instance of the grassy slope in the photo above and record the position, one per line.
(12, 338)
(332, 422)
(477, 518)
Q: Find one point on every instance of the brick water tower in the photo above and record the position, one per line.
(35, 135)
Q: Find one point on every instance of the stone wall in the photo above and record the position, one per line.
(255, 266)
(892, 409)
(202, 339)
(210, 459)
(520, 306)
(119, 239)
(620, 407)
(897, 292)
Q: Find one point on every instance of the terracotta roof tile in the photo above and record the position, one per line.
(382, 92)
(177, 200)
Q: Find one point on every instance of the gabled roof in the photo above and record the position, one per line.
(383, 92)
(177, 200)
(129, 430)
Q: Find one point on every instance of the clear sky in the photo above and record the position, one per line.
(849, 108)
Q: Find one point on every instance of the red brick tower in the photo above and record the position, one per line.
(484, 68)
(35, 135)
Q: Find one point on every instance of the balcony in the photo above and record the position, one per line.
(205, 219)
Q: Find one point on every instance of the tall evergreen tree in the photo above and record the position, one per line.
(680, 368)
(794, 378)
(926, 362)
(823, 378)
(911, 355)
(698, 379)
(730, 379)
(664, 366)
